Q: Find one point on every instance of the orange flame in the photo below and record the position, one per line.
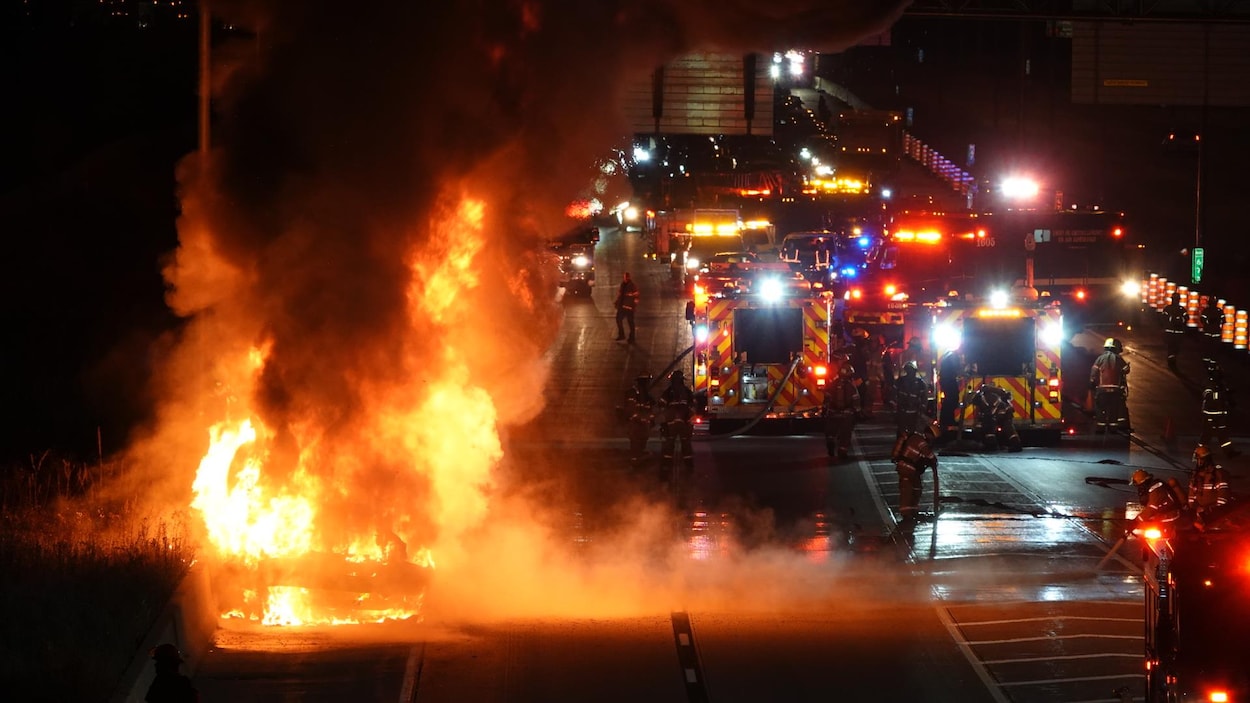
(275, 524)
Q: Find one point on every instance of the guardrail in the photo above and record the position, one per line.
(1156, 292)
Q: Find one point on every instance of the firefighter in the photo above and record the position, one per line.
(912, 396)
(1159, 502)
(1208, 485)
(841, 408)
(889, 372)
(950, 369)
(677, 402)
(1212, 317)
(640, 412)
(626, 300)
(994, 417)
(1108, 381)
(858, 353)
(912, 454)
(873, 391)
(170, 684)
(914, 351)
(1175, 321)
(1216, 403)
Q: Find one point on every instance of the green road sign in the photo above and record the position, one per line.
(1196, 269)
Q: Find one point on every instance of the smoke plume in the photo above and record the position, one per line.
(358, 257)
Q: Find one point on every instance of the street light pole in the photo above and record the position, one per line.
(1198, 195)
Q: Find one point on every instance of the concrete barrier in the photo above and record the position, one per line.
(188, 621)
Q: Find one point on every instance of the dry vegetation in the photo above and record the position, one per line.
(82, 579)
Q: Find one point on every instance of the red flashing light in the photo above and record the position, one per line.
(1080, 294)
(980, 234)
(1117, 232)
(891, 289)
(1218, 697)
(821, 370)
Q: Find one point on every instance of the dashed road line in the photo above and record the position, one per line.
(688, 658)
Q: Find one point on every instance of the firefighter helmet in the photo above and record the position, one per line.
(910, 366)
(677, 376)
(859, 333)
(846, 370)
(1140, 476)
(915, 342)
(1202, 455)
(932, 429)
(166, 653)
(1113, 344)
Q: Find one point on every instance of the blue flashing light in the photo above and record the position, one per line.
(863, 242)
(850, 271)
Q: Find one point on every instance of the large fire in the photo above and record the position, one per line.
(276, 528)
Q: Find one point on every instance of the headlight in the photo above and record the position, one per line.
(692, 263)
(770, 289)
(998, 299)
(581, 262)
(1131, 289)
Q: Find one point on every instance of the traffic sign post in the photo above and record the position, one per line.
(1195, 270)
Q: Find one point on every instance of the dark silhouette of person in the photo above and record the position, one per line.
(170, 684)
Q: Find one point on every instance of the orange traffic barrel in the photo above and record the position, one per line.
(1239, 330)
(1152, 291)
(1226, 331)
(1191, 307)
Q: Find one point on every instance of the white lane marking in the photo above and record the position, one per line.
(1040, 682)
(983, 673)
(874, 486)
(411, 671)
(1055, 637)
(966, 623)
(692, 676)
(1021, 660)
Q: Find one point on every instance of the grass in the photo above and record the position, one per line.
(82, 579)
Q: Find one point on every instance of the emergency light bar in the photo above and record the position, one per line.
(703, 229)
(999, 312)
(927, 236)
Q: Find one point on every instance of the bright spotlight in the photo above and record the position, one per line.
(1052, 334)
(946, 336)
(1020, 188)
(998, 299)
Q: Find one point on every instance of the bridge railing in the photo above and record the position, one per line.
(959, 180)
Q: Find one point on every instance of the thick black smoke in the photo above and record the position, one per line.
(352, 146)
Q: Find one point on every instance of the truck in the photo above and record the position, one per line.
(1013, 340)
(1195, 583)
(761, 353)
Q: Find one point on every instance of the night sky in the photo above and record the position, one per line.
(102, 110)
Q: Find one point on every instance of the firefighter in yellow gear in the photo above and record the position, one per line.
(912, 454)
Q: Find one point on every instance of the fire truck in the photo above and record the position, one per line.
(1196, 583)
(1010, 340)
(761, 352)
